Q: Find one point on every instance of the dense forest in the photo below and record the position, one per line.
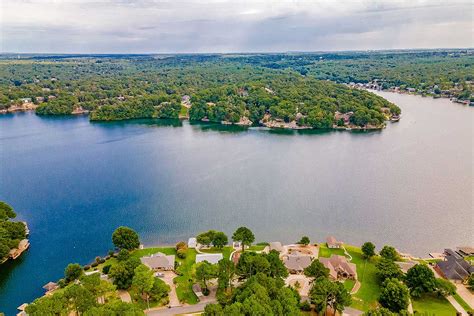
(10, 232)
(274, 90)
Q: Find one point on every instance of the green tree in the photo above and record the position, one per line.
(6, 211)
(244, 236)
(56, 304)
(251, 263)
(4, 250)
(159, 290)
(445, 287)
(143, 281)
(213, 310)
(115, 307)
(72, 272)
(125, 238)
(123, 272)
(368, 250)
(388, 269)
(219, 240)
(304, 241)
(123, 255)
(79, 298)
(420, 279)
(394, 295)
(204, 272)
(470, 281)
(380, 311)
(276, 269)
(206, 238)
(388, 252)
(316, 270)
(325, 293)
(225, 273)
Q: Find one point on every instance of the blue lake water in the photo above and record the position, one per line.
(74, 182)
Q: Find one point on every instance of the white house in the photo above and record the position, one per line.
(212, 258)
(192, 242)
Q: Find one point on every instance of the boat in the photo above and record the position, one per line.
(395, 118)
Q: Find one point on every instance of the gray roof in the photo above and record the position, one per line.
(455, 267)
(276, 245)
(209, 257)
(159, 261)
(297, 262)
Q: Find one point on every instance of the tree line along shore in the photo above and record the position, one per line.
(220, 277)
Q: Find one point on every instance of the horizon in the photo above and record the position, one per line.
(223, 26)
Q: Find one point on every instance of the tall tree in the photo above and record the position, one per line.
(325, 293)
(388, 269)
(72, 272)
(244, 236)
(316, 270)
(394, 295)
(420, 279)
(204, 272)
(390, 253)
(368, 250)
(125, 238)
(143, 281)
(219, 240)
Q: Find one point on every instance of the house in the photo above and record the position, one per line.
(197, 290)
(192, 242)
(465, 251)
(159, 261)
(332, 243)
(25, 100)
(276, 245)
(39, 99)
(186, 101)
(339, 267)
(454, 267)
(50, 287)
(296, 263)
(346, 117)
(212, 258)
(22, 246)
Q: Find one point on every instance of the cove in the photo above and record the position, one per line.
(409, 185)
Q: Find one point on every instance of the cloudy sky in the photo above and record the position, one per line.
(166, 26)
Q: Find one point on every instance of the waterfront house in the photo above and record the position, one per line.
(276, 245)
(25, 100)
(454, 267)
(339, 267)
(465, 251)
(22, 246)
(333, 243)
(192, 242)
(159, 261)
(296, 263)
(212, 258)
(50, 287)
(197, 290)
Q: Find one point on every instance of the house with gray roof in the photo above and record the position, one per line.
(212, 258)
(333, 243)
(296, 263)
(454, 267)
(159, 261)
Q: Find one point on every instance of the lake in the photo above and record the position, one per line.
(74, 182)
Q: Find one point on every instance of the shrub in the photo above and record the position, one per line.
(87, 267)
(305, 306)
(106, 268)
(181, 253)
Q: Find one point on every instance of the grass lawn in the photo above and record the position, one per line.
(149, 251)
(462, 302)
(349, 284)
(256, 247)
(429, 305)
(326, 252)
(226, 251)
(184, 111)
(369, 291)
(184, 281)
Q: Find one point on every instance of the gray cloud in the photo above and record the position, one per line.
(141, 26)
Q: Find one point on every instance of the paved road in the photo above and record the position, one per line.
(178, 310)
(465, 294)
(456, 305)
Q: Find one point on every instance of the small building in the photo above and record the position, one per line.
(333, 243)
(465, 251)
(345, 117)
(192, 242)
(339, 268)
(25, 100)
(212, 258)
(197, 290)
(50, 287)
(39, 99)
(454, 267)
(22, 246)
(276, 245)
(296, 263)
(159, 261)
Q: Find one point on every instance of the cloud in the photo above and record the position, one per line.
(146, 26)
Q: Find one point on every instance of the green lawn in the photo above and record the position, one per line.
(349, 284)
(369, 291)
(184, 281)
(462, 302)
(258, 247)
(183, 112)
(149, 251)
(433, 305)
(326, 252)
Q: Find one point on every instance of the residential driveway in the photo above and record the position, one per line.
(466, 295)
(168, 278)
(304, 282)
(125, 296)
(199, 307)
